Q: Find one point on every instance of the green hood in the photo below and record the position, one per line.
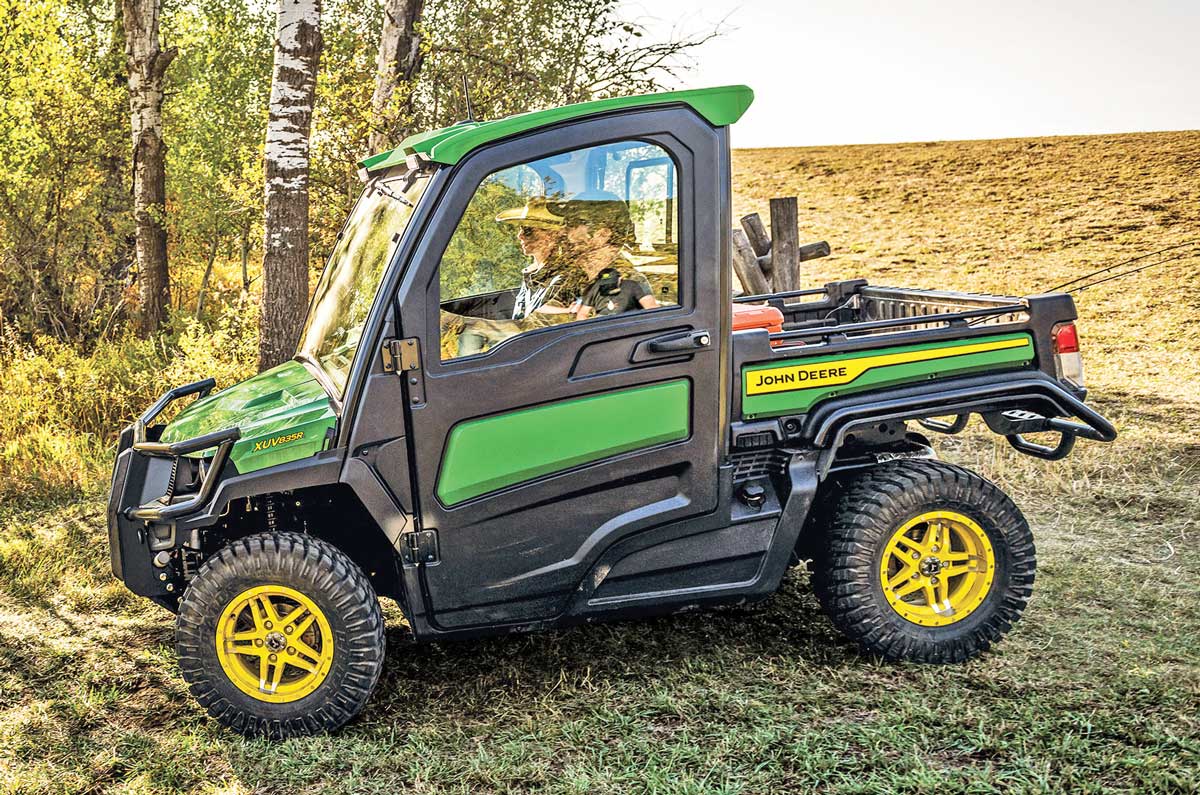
(283, 414)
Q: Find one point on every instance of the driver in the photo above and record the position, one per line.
(548, 284)
(599, 236)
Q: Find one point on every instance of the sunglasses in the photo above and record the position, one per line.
(528, 231)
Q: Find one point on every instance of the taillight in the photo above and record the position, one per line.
(1068, 363)
(1066, 338)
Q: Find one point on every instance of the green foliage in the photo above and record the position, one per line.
(527, 54)
(61, 410)
(66, 247)
(213, 124)
(65, 224)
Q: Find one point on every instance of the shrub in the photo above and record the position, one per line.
(61, 409)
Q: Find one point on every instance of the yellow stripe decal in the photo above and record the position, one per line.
(807, 376)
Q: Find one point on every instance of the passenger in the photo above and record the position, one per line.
(599, 236)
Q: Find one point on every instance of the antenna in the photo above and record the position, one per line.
(467, 98)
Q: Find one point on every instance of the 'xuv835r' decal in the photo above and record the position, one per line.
(793, 386)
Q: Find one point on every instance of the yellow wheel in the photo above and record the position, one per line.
(274, 643)
(923, 561)
(279, 635)
(937, 568)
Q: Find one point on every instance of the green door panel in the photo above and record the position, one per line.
(490, 453)
(793, 386)
(283, 414)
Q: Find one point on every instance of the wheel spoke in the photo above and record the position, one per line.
(930, 538)
(961, 567)
(954, 557)
(930, 596)
(301, 663)
(245, 650)
(303, 650)
(259, 619)
(943, 592)
(907, 588)
(250, 634)
(277, 675)
(914, 545)
(291, 618)
(907, 569)
(304, 623)
(269, 611)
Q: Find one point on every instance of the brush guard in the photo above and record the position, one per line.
(165, 509)
(143, 506)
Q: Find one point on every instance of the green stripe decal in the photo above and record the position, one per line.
(794, 386)
(491, 453)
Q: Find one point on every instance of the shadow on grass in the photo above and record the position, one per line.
(109, 685)
(472, 676)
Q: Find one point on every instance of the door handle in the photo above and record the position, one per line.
(680, 343)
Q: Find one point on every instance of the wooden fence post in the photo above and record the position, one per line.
(757, 234)
(745, 264)
(785, 244)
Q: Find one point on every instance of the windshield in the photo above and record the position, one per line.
(348, 285)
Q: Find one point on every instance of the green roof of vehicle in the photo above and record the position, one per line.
(719, 106)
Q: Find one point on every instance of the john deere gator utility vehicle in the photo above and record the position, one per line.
(522, 401)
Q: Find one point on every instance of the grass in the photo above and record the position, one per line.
(1097, 689)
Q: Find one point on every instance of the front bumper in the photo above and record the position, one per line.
(142, 504)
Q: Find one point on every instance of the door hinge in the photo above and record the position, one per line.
(419, 547)
(401, 355)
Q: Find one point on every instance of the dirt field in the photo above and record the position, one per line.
(1098, 688)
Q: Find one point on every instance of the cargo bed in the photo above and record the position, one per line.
(932, 353)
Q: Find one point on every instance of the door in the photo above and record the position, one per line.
(568, 304)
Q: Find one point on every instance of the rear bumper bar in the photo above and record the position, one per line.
(1028, 402)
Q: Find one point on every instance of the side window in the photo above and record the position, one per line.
(583, 234)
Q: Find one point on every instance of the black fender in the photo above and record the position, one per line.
(319, 470)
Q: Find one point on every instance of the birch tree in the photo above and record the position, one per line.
(399, 60)
(286, 163)
(147, 63)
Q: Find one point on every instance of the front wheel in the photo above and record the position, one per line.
(280, 635)
(924, 561)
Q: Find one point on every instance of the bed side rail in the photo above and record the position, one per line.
(893, 303)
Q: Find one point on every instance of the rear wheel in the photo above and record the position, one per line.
(280, 635)
(924, 561)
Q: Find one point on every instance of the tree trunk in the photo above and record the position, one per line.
(208, 269)
(245, 254)
(399, 61)
(285, 244)
(147, 63)
(114, 165)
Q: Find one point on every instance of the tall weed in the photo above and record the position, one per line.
(61, 409)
